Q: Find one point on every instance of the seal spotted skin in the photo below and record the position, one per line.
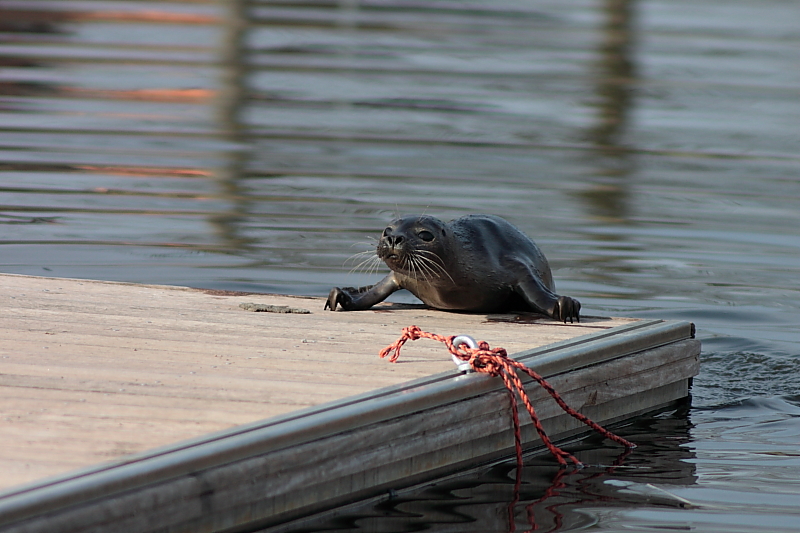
(476, 263)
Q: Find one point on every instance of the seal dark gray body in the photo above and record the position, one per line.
(476, 263)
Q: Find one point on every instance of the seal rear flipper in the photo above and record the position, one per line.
(360, 298)
(567, 308)
(545, 301)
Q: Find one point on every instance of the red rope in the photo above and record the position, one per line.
(496, 362)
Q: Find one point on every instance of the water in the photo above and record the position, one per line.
(650, 147)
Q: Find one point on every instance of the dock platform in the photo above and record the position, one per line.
(129, 407)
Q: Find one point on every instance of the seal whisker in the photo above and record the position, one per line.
(366, 265)
(362, 259)
(436, 266)
(427, 265)
(371, 241)
(375, 266)
(420, 271)
(369, 265)
(410, 267)
(436, 262)
(365, 252)
(422, 268)
(360, 255)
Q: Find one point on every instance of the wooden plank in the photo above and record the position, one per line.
(93, 371)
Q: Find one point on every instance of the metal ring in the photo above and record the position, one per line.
(462, 365)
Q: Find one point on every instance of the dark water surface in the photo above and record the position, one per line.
(651, 147)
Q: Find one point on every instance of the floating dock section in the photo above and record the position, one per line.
(133, 408)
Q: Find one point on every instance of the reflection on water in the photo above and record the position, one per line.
(607, 195)
(550, 498)
(649, 146)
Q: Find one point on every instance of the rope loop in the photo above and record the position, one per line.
(496, 362)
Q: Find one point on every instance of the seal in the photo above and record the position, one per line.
(476, 263)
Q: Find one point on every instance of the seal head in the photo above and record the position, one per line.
(415, 247)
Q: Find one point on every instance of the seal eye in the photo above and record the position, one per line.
(426, 236)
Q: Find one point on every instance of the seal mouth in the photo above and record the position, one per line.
(389, 251)
(394, 261)
(394, 258)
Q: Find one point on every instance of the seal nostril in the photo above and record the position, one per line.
(392, 240)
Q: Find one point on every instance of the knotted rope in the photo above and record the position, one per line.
(496, 362)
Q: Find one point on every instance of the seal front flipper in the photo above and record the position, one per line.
(545, 301)
(358, 299)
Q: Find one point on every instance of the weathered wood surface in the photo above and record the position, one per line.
(283, 468)
(91, 371)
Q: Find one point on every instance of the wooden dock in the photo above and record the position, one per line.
(142, 408)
